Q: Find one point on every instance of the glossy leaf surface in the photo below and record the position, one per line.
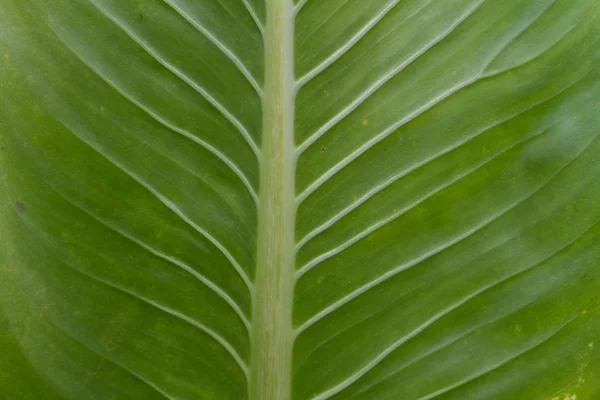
(332, 199)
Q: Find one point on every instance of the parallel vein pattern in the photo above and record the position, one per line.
(436, 170)
(299, 199)
(134, 167)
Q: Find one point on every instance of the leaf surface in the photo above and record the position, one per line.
(340, 199)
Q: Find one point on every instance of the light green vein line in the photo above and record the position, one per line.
(221, 156)
(121, 366)
(230, 54)
(207, 282)
(177, 72)
(205, 329)
(173, 207)
(548, 337)
(394, 271)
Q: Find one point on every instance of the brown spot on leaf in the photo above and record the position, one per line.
(323, 150)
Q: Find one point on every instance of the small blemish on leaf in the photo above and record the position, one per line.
(20, 206)
(309, 162)
(323, 150)
(365, 122)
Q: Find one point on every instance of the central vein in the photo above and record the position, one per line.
(272, 334)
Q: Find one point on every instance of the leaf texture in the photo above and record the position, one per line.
(440, 237)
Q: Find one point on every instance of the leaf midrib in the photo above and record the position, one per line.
(272, 331)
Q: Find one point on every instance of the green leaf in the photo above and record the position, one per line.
(327, 199)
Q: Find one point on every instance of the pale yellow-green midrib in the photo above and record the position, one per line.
(272, 334)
